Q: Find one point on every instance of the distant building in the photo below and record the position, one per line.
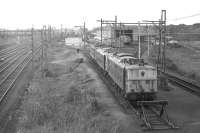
(125, 35)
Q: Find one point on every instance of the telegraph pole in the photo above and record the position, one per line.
(61, 31)
(164, 37)
(32, 47)
(148, 39)
(120, 30)
(115, 29)
(49, 33)
(44, 50)
(42, 42)
(161, 65)
(162, 41)
(84, 35)
(101, 31)
(139, 49)
(108, 22)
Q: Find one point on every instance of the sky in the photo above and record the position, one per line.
(19, 14)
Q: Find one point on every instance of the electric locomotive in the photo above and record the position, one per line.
(135, 79)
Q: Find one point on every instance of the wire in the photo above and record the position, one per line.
(183, 33)
(194, 15)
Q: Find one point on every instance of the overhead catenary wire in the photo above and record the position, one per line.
(185, 17)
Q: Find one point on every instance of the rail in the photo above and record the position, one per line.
(187, 85)
(144, 108)
(7, 82)
(9, 49)
(9, 61)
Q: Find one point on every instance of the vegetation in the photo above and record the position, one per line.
(184, 32)
(65, 103)
(172, 63)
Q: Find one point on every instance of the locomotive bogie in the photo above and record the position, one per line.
(141, 96)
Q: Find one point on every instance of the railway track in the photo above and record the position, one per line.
(153, 114)
(8, 55)
(183, 83)
(10, 49)
(12, 52)
(12, 72)
(11, 60)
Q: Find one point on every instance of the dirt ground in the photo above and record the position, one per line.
(183, 108)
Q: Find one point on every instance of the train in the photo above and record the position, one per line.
(135, 79)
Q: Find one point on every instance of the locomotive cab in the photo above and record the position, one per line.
(140, 78)
(141, 82)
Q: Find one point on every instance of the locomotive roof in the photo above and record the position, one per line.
(125, 55)
(102, 49)
(132, 62)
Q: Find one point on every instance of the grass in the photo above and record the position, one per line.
(76, 112)
(74, 108)
(179, 60)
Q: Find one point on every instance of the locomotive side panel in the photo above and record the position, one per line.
(92, 51)
(100, 59)
(116, 72)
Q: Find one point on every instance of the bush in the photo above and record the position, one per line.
(74, 96)
(48, 73)
(35, 115)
